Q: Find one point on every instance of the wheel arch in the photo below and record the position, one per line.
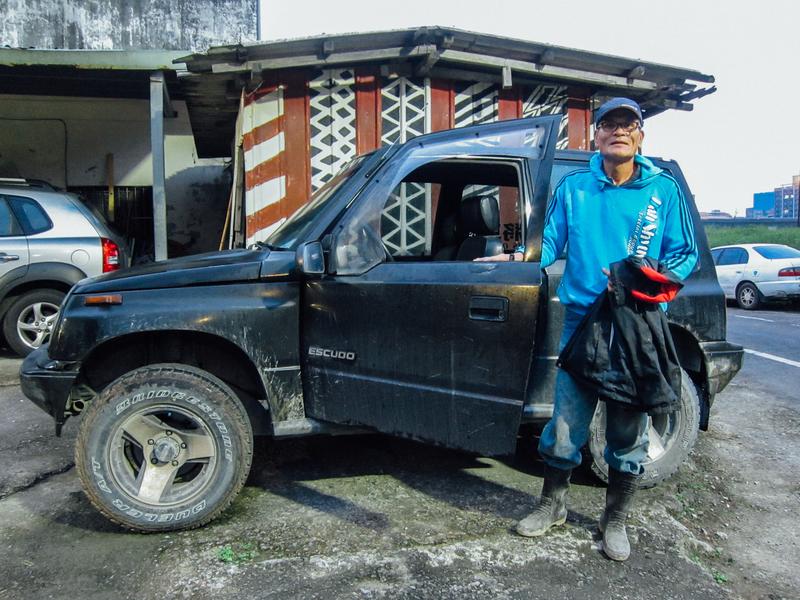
(206, 351)
(692, 361)
(27, 285)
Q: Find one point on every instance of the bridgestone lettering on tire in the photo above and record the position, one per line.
(164, 447)
(672, 437)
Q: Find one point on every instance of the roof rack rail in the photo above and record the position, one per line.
(20, 182)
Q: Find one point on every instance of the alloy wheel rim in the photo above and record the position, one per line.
(162, 456)
(747, 296)
(35, 323)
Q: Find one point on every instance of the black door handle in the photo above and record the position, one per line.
(488, 308)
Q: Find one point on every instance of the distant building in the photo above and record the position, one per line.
(763, 206)
(786, 198)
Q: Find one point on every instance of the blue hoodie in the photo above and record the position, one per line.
(604, 223)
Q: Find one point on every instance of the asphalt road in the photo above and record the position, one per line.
(375, 517)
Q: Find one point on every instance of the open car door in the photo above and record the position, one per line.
(406, 333)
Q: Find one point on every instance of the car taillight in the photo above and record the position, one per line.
(789, 272)
(110, 255)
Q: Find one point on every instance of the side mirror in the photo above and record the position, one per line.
(310, 259)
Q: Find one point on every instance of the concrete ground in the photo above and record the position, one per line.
(376, 517)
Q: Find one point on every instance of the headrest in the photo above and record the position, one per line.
(480, 215)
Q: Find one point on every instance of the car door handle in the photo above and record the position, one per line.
(488, 308)
(8, 257)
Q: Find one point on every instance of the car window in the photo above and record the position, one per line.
(732, 256)
(31, 216)
(715, 255)
(8, 223)
(430, 215)
(777, 252)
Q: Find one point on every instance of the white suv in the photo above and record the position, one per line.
(49, 240)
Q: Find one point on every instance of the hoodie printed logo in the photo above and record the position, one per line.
(645, 230)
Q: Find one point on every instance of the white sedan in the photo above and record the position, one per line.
(752, 273)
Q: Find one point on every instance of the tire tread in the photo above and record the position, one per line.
(239, 417)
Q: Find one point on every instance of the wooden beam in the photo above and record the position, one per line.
(442, 99)
(579, 119)
(368, 109)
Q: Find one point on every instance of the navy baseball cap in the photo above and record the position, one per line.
(615, 104)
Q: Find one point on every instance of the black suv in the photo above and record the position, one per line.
(364, 310)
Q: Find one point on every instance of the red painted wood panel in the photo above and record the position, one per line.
(509, 104)
(368, 109)
(579, 119)
(442, 100)
(296, 157)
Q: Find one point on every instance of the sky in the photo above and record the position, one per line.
(744, 138)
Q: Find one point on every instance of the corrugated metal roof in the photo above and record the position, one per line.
(326, 48)
(86, 73)
(214, 77)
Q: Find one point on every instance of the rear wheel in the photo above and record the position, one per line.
(747, 296)
(164, 447)
(671, 436)
(30, 319)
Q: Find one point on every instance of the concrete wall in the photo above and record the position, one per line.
(65, 141)
(127, 24)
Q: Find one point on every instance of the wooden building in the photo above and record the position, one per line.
(293, 112)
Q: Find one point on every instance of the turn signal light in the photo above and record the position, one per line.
(789, 272)
(102, 300)
(110, 255)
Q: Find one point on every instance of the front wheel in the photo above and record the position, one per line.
(672, 437)
(164, 447)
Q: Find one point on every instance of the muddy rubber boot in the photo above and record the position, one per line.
(619, 498)
(552, 507)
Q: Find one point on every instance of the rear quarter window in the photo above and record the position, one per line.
(30, 215)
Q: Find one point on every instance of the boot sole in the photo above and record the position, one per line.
(540, 532)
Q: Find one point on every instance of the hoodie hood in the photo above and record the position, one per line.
(647, 170)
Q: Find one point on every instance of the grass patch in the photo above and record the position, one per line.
(236, 555)
(722, 235)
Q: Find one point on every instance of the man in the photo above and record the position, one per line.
(621, 205)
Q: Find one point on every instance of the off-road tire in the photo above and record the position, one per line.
(197, 408)
(747, 296)
(679, 434)
(24, 304)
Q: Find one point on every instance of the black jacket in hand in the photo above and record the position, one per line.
(623, 348)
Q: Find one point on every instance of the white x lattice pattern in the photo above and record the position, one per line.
(405, 221)
(333, 123)
(405, 113)
(475, 103)
(547, 100)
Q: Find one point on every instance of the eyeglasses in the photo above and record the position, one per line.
(612, 126)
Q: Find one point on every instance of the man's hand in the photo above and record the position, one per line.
(502, 257)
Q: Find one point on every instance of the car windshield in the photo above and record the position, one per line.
(776, 252)
(292, 231)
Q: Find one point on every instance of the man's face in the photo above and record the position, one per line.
(617, 144)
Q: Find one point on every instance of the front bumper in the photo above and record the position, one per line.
(47, 383)
(723, 361)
